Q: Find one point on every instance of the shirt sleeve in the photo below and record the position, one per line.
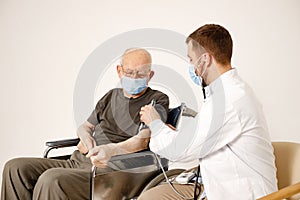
(198, 137)
(94, 118)
(162, 106)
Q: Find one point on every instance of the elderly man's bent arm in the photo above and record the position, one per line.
(101, 154)
(136, 143)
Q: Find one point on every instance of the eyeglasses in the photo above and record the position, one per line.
(133, 73)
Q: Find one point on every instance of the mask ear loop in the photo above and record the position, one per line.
(201, 76)
(198, 66)
(204, 70)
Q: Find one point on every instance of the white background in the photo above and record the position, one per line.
(44, 43)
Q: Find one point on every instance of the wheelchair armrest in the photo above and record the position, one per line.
(131, 155)
(63, 143)
(136, 160)
(60, 144)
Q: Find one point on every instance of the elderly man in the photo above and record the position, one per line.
(231, 141)
(112, 129)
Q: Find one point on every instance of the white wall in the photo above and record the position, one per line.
(44, 43)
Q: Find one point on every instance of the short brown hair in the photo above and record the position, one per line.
(215, 39)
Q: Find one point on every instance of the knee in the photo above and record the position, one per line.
(49, 185)
(19, 169)
(14, 165)
(145, 196)
(50, 177)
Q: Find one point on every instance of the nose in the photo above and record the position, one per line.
(135, 75)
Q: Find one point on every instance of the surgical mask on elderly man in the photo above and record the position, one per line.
(133, 86)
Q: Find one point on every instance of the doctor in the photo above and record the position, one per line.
(231, 141)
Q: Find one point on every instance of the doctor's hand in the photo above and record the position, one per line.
(100, 155)
(148, 114)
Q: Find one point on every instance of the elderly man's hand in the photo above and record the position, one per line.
(100, 155)
(87, 142)
(82, 148)
(148, 114)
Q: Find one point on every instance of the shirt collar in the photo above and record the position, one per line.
(217, 84)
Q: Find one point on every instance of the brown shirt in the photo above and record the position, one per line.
(116, 118)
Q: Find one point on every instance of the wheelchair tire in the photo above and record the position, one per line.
(160, 178)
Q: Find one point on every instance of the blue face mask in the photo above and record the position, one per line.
(133, 86)
(196, 79)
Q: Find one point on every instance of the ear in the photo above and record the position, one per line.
(150, 76)
(208, 59)
(119, 71)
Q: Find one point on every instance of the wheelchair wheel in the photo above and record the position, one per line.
(161, 178)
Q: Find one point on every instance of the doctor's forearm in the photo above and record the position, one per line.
(163, 141)
(173, 145)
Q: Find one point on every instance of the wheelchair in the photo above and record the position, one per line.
(133, 173)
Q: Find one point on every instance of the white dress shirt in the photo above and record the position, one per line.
(230, 139)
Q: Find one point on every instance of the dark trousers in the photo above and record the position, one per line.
(46, 179)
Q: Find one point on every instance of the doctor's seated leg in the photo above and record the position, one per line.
(165, 192)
